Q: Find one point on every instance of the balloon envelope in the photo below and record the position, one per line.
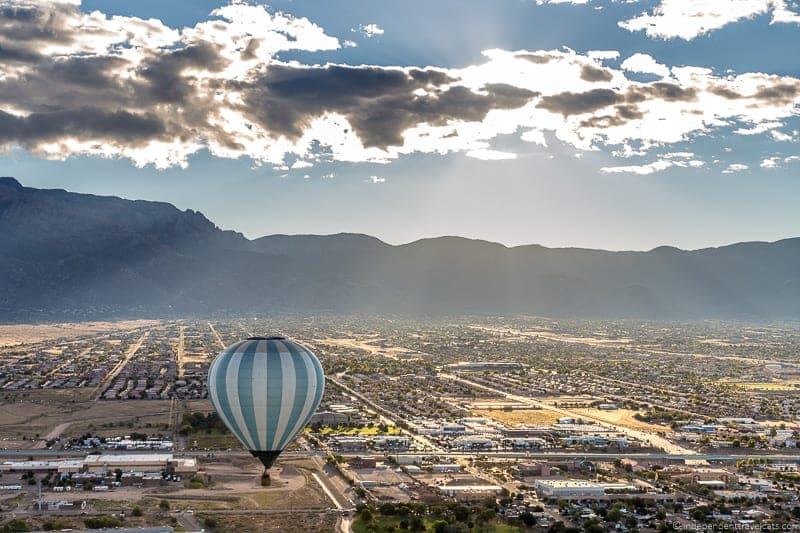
(265, 389)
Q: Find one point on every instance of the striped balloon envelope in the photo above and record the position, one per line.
(265, 389)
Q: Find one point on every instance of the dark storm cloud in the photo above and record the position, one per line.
(669, 92)
(119, 126)
(782, 93)
(379, 103)
(624, 113)
(539, 59)
(595, 74)
(725, 92)
(569, 103)
(165, 73)
(10, 53)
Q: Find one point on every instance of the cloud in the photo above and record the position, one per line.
(735, 167)
(370, 30)
(668, 160)
(689, 19)
(491, 155)
(75, 83)
(645, 64)
(574, 2)
(778, 161)
(376, 179)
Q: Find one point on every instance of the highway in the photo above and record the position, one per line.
(38, 454)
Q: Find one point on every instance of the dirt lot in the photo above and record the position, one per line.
(770, 386)
(14, 334)
(30, 417)
(621, 417)
(520, 417)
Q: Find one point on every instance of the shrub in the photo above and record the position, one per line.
(102, 522)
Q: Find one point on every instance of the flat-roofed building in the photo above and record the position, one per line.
(470, 493)
(568, 489)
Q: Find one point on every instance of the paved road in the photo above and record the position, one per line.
(117, 369)
(189, 522)
(22, 453)
(386, 415)
(180, 349)
(219, 339)
(53, 434)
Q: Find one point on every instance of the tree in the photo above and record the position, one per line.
(15, 526)
(592, 526)
(137, 511)
(461, 513)
(365, 514)
(527, 518)
(440, 526)
(163, 505)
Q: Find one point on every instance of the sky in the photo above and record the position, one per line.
(590, 123)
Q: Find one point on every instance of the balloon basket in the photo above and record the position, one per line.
(265, 479)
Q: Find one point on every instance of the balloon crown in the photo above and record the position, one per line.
(270, 338)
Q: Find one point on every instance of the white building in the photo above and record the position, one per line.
(568, 489)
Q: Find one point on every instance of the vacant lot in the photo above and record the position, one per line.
(620, 417)
(12, 335)
(770, 386)
(516, 418)
(31, 417)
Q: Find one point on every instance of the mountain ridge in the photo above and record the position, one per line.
(86, 256)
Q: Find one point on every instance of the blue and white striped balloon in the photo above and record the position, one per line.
(265, 389)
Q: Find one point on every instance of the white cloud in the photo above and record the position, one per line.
(486, 154)
(781, 136)
(370, 30)
(735, 167)
(689, 19)
(602, 55)
(376, 179)
(668, 161)
(778, 161)
(574, 2)
(759, 128)
(645, 64)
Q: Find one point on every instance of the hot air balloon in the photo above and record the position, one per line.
(265, 390)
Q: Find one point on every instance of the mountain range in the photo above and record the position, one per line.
(66, 255)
